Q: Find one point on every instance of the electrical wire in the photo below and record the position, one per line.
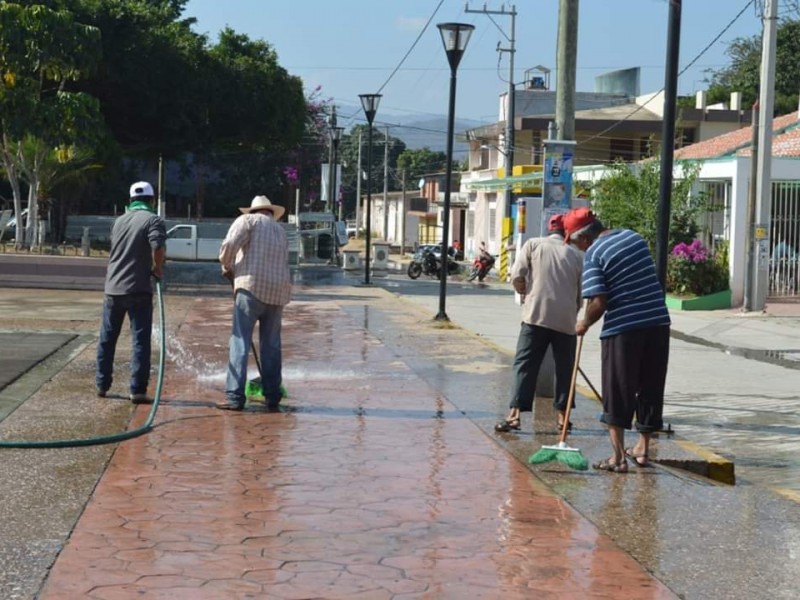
(687, 67)
(414, 45)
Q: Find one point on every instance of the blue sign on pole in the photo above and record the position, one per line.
(558, 173)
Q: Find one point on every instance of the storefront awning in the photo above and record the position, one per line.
(524, 180)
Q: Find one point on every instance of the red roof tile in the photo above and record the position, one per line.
(785, 141)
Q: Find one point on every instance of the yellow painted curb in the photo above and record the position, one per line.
(717, 468)
(793, 495)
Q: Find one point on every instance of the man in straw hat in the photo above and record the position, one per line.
(621, 285)
(255, 257)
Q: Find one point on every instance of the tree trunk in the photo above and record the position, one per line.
(13, 178)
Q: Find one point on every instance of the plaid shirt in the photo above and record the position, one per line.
(256, 251)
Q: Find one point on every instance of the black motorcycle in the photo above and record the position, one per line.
(427, 261)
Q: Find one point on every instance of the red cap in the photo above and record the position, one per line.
(577, 219)
(556, 223)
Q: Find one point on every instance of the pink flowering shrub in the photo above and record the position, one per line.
(694, 270)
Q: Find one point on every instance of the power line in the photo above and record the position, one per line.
(416, 41)
(687, 67)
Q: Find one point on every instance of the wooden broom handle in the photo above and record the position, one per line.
(571, 396)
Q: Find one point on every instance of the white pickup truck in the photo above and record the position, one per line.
(183, 244)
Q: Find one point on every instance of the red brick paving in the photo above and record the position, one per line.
(359, 493)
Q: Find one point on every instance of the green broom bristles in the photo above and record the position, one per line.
(570, 457)
(253, 388)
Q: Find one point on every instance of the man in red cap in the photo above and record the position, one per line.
(547, 272)
(621, 285)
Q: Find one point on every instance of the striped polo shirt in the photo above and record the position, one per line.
(619, 265)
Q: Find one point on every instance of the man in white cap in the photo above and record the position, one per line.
(255, 257)
(138, 250)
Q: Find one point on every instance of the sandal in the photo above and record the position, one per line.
(636, 458)
(507, 425)
(561, 426)
(611, 466)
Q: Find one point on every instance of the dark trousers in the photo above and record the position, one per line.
(532, 345)
(634, 376)
(139, 309)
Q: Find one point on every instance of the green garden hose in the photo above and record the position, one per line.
(116, 437)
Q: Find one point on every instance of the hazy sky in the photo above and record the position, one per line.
(352, 46)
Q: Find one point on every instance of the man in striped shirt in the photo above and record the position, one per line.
(620, 284)
(255, 257)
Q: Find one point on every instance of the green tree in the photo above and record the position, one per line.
(41, 52)
(421, 162)
(220, 109)
(628, 197)
(743, 73)
(256, 114)
(348, 151)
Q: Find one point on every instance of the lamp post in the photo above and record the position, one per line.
(369, 102)
(454, 37)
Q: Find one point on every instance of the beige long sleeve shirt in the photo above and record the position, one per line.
(552, 273)
(256, 251)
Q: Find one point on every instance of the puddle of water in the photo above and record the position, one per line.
(783, 358)
(771, 356)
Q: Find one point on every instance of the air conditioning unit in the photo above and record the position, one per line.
(380, 258)
(352, 260)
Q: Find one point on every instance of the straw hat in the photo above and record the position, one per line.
(263, 203)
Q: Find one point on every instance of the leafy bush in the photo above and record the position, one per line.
(628, 197)
(694, 270)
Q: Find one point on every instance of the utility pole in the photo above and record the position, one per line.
(358, 185)
(162, 209)
(566, 65)
(668, 140)
(403, 214)
(508, 150)
(752, 192)
(386, 188)
(329, 200)
(764, 163)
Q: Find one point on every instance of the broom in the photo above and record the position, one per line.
(571, 457)
(253, 388)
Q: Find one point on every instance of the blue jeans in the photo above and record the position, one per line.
(247, 310)
(139, 309)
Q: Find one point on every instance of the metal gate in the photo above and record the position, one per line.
(785, 240)
(716, 222)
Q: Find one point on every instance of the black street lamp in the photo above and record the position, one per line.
(454, 37)
(369, 102)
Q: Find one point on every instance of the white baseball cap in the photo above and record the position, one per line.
(142, 188)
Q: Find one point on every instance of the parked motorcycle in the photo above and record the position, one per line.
(480, 267)
(428, 262)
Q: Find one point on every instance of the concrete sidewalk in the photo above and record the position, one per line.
(732, 381)
(383, 479)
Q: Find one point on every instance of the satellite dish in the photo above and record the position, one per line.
(421, 183)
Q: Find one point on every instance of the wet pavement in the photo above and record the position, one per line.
(382, 478)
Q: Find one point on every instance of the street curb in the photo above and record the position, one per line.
(709, 465)
(792, 495)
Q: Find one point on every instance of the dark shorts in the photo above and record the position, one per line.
(634, 375)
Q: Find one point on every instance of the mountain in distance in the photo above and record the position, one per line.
(419, 130)
(432, 132)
